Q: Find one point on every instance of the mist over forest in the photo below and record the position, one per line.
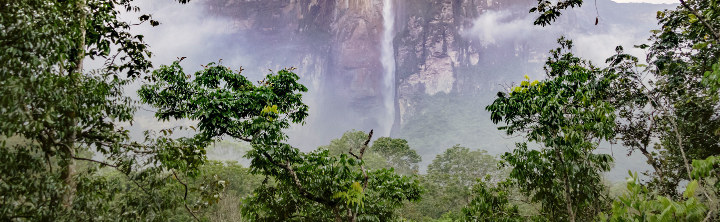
(508, 47)
(359, 110)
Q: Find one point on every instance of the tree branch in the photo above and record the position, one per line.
(360, 157)
(296, 180)
(651, 159)
(675, 127)
(708, 216)
(185, 197)
(702, 20)
(95, 161)
(116, 168)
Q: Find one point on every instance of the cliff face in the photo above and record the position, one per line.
(340, 35)
(433, 57)
(335, 45)
(451, 57)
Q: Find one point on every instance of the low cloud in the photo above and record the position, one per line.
(592, 42)
(598, 47)
(495, 27)
(186, 30)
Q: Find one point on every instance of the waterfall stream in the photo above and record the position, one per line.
(388, 62)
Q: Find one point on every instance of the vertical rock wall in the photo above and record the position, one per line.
(433, 57)
(336, 46)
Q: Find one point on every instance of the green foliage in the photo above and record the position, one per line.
(671, 118)
(675, 112)
(224, 102)
(64, 155)
(25, 185)
(337, 178)
(490, 204)
(305, 186)
(549, 11)
(639, 204)
(398, 154)
(206, 198)
(238, 179)
(239, 183)
(564, 113)
(354, 196)
(460, 166)
(705, 168)
(61, 114)
(449, 180)
(706, 172)
(385, 152)
(712, 77)
(350, 140)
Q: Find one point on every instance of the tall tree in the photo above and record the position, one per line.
(56, 114)
(669, 109)
(672, 119)
(567, 114)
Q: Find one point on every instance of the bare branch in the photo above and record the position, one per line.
(185, 197)
(360, 157)
(365, 145)
(95, 161)
(352, 154)
(709, 215)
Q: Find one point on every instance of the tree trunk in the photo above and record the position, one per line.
(568, 200)
(337, 214)
(67, 176)
(351, 216)
(69, 169)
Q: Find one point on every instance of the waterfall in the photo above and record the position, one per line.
(388, 62)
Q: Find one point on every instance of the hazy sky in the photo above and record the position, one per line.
(649, 1)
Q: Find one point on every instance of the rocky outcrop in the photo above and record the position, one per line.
(433, 57)
(343, 33)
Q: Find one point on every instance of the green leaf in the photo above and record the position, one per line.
(690, 189)
(700, 45)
